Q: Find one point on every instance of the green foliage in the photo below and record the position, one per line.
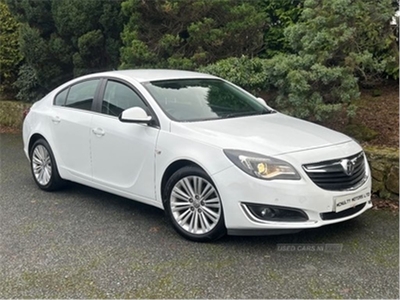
(65, 38)
(92, 28)
(249, 73)
(28, 85)
(188, 34)
(311, 90)
(336, 44)
(281, 14)
(318, 50)
(302, 88)
(351, 34)
(10, 56)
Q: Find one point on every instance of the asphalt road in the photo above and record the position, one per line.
(83, 243)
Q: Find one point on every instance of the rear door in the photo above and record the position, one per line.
(71, 119)
(123, 153)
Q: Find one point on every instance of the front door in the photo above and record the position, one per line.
(123, 154)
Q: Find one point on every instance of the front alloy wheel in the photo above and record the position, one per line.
(194, 205)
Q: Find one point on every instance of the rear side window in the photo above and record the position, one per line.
(81, 95)
(60, 98)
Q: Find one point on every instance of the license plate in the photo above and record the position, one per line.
(351, 200)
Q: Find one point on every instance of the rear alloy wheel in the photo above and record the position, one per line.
(193, 205)
(43, 166)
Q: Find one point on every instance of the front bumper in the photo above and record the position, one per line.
(236, 188)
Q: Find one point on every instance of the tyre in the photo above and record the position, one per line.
(193, 205)
(44, 167)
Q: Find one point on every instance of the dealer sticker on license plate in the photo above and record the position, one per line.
(351, 200)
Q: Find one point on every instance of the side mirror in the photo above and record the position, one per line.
(263, 103)
(134, 115)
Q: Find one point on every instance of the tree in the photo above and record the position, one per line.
(353, 34)
(335, 45)
(249, 73)
(92, 28)
(299, 86)
(187, 34)
(10, 56)
(65, 38)
(281, 14)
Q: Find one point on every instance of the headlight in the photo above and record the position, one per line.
(261, 166)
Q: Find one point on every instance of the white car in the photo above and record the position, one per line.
(217, 159)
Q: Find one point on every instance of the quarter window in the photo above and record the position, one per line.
(118, 97)
(60, 98)
(81, 95)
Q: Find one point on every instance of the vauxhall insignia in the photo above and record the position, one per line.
(348, 166)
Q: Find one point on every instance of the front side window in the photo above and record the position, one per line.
(118, 97)
(203, 99)
(81, 95)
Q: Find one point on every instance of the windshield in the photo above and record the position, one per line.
(203, 99)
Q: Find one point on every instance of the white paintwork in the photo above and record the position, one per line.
(270, 134)
(130, 159)
(302, 194)
(123, 157)
(71, 139)
(135, 114)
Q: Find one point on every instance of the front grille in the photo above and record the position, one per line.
(339, 174)
(342, 214)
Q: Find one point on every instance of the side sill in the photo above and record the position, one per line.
(262, 232)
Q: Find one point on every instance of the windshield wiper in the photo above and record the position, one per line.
(244, 114)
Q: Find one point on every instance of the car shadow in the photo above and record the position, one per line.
(154, 217)
(332, 232)
(104, 201)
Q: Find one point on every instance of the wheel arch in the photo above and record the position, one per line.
(56, 181)
(218, 228)
(172, 168)
(33, 139)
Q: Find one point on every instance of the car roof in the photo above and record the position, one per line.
(145, 75)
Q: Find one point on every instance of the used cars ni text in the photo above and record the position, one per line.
(217, 159)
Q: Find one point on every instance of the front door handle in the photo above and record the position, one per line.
(98, 131)
(56, 119)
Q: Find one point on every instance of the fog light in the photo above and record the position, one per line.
(276, 213)
(267, 212)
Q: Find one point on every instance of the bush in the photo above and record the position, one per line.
(28, 85)
(303, 88)
(281, 14)
(249, 73)
(335, 45)
(63, 39)
(352, 34)
(191, 33)
(310, 90)
(11, 113)
(10, 57)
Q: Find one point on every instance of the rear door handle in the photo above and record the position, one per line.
(98, 131)
(56, 119)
